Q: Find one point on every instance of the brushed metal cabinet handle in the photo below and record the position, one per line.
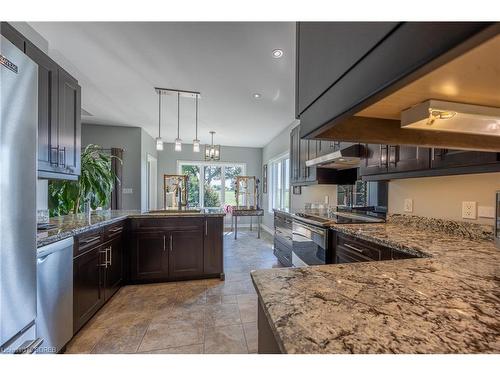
(105, 252)
(164, 246)
(171, 243)
(206, 227)
(354, 248)
(110, 255)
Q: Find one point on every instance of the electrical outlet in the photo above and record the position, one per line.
(127, 191)
(327, 199)
(408, 205)
(469, 210)
(486, 211)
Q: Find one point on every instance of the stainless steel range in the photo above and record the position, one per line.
(312, 237)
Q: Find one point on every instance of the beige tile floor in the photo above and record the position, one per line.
(202, 316)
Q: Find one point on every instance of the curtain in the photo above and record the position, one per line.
(117, 168)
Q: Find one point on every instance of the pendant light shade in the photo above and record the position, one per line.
(178, 140)
(159, 144)
(196, 141)
(159, 140)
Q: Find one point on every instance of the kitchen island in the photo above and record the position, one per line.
(447, 302)
(115, 248)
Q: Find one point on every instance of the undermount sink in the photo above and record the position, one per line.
(176, 211)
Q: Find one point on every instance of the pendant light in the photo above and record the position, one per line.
(178, 140)
(212, 152)
(196, 141)
(159, 140)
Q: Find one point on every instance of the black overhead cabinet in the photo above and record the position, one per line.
(59, 117)
(343, 67)
(302, 150)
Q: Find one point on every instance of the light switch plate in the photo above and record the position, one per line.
(486, 211)
(127, 191)
(408, 205)
(469, 210)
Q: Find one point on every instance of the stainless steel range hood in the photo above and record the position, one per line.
(346, 158)
(439, 115)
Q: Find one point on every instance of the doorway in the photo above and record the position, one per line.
(151, 181)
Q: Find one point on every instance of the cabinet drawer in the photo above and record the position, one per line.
(114, 230)
(363, 248)
(86, 241)
(172, 223)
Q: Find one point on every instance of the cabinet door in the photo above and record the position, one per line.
(69, 123)
(327, 50)
(48, 158)
(213, 246)
(374, 161)
(114, 271)
(186, 253)
(88, 288)
(149, 257)
(408, 158)
(12, 35)
(445, 158)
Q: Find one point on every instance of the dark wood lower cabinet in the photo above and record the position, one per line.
(152, 250)
(88, 285)
(186, 254)
(149, 256)
(213, 245)
(114, 270)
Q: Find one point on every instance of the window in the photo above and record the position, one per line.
(279, 182)
(211, 184)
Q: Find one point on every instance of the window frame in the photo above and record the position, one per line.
(272, 183)
(201, 165)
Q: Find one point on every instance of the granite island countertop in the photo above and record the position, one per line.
(74, 224)
(448, 302)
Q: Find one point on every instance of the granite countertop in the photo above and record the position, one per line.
(74, 224)
(448, 302)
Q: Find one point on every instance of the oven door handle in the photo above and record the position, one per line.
(312, 229)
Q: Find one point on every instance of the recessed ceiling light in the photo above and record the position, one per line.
(256, 95)
(277, 53)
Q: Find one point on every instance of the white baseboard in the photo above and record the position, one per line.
(267, 229)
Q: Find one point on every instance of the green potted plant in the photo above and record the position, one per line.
(94, 185)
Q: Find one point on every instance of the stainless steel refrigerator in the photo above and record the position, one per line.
(18, 150)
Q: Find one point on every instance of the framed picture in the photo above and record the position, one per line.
(264, 180)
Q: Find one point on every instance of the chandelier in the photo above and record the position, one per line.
(212, 152)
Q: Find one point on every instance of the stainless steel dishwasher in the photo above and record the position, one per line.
(54, 274)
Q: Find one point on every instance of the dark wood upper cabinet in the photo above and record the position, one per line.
(407, 158)
(69, 123)
(327, 50)
(59, 113)
(213, 245)
(444, 158)
(186, 253)
(12, 35)
(375, 160)
(389, 57)
(47, 109)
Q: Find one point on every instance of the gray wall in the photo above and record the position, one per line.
(128, 138)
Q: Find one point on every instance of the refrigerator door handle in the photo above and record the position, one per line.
(29, 347)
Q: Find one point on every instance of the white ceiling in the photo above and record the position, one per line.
(118, 64)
